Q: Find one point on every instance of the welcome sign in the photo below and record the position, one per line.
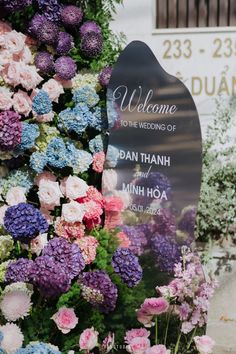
(153, 161)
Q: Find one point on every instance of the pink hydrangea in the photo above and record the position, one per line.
(98, 161)
(88, 246)
(155, 306)
(158, 349)
(123, 239)
(137, 332)
(54, 89)
(69, 230)
(138, 345)
(88, 339)
(12, 338)
(65, 319)
(204, 344)
(22, 103)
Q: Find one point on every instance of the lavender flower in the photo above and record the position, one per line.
(91, 44)
(137, 238)
(50, 277)
(105, 75)
(18, 270)
(44, 62)
(71, 15)
(24, 222)
(88, 27)
(127, 266)
(67, 254)
(98, 289)
(64, 43)
(65, 67)
(10, 130)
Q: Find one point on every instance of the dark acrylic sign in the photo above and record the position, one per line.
(154, 159)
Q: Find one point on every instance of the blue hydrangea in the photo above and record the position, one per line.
(41, 103)
(112, 156)
(79, 160)
(86, 95)
(20, 177)
(40, 348)
(97, 144)
(71, 120)
(99, 119)
(57, 154)
(38, 161)
(82, 110)
(30, 133)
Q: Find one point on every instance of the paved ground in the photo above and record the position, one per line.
(222, 317)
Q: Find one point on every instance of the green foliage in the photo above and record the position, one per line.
(216, 213)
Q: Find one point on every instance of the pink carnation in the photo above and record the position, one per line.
(155, 306)
(5, 99)
(93, 212)
(12, 338)
(88, 339)
(65, 319)
(157, 349)
(92, 194)
(138, 345)
(204, 344)
(69, 230)
(54, 89)
(113, 204)
(88, 246)
(123, 239)
(133, 333)
(22, 103)
(98, 161)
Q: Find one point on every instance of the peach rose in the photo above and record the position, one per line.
(65, 319)
(88, 339)
(73, 212)
(22, 103)
(29, 78)
(5, 99)
(53, 88)
(16, 195)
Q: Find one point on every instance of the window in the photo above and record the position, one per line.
(195, 13)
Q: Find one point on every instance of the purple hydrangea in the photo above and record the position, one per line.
(51, 9)
(44, 62)
(165, 223)
(65, 67)
(91, 44)
(48, 32)
(15, 5)
(71, 15)
(24, 222)
(167, 252)
(89, 26)
(64, 43)
(50, 277)
(10, 130)
(105, 75)
(98, 289)
(137, 238)
(19, 270)
(127, 266)
(187, 220)
(67, 254)
(35, 23)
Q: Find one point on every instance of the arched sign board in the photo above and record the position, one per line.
(153, 160)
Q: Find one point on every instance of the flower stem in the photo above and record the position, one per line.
(191, 339)
(167, 327)
(156, 330)
(177, 343)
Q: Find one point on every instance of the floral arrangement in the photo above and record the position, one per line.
(70, 282)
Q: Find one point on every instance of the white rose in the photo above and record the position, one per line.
(38, 244)
(49, 194)
(73, 212)
(75, 187)
(16, 195)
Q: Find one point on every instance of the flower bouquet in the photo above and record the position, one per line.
(70, 281)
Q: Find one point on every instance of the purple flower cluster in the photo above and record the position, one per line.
(187, 220)
(71, 15)
(44, 62)
(64, 43)
(68, 255)
(137, 238)
(105, 75)
(98, 289)
(50, 277)
(19, 270)
(51, 9)
(91, 44)
(88, 27)
(24, 222)
(10, 130)
(165, 223)
(167, 252)
(65, 67)
(127, 266)
(48, 32)
(15, 5)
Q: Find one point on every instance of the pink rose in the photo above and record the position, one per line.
(12, 75)
(3, 210)
(38, 244)
(25, 55)
(144, 318)
(98, 161)
(108, 343)
(138, 345)
(44, 118)
(49, 194)
(44, 177)
(13, 41)
(5, 99)
(88, 339)
(204, 344)
(53, 88)
(73, 212)
(137, 332)
(5, 59)
(4, 27)
(65, 319)
(16, 195)
(22, 103)
(157, 349)
(88, 246)
(29, 78)
(124, 241)
(155, 306)
(74, 187)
